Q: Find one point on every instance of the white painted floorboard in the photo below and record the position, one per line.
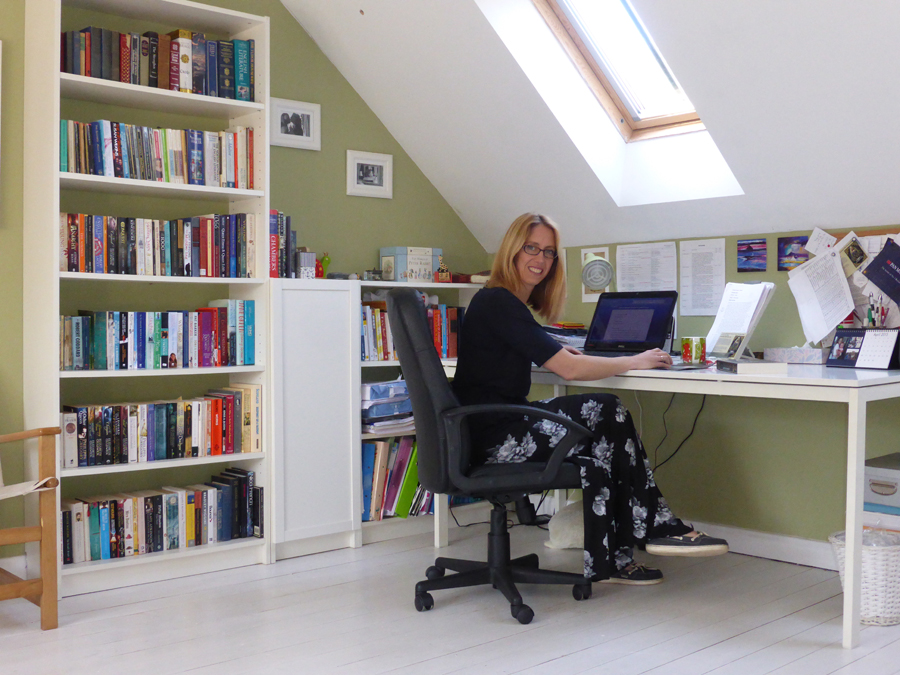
(351, 611)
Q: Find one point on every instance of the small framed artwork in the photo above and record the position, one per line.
(370, 174)
(791, 252)
(752, 256)
(387, 268)
(295, 124)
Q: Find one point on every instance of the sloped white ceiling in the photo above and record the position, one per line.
(802, 99)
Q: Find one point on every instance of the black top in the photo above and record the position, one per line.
(499, 340)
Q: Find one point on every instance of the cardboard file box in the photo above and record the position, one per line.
(409, 263)
(882, 484)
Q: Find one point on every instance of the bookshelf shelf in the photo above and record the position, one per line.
(49, 293)
(194, 551)
(93, 89)
(162, 372)
(396, 364)
(417, 284)
(160, 464)
(149, 188)
(376, 437)
(147, 279)
(198, 16)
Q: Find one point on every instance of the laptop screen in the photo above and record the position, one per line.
(631, 322)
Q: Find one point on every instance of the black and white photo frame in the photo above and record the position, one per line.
(370, 174)
(295, 124)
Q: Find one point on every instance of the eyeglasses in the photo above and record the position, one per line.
(549, 253)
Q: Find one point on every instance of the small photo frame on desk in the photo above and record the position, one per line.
(865, 348)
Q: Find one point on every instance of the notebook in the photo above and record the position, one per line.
(630, 322)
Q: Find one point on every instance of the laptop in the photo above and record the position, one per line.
(630, 323)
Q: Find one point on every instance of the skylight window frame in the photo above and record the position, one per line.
(593, 75)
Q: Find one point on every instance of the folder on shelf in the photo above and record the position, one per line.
(398, 473)
(382, 453)
(368, 472)
(408, 487)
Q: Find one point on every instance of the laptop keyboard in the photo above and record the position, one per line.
(608, 354)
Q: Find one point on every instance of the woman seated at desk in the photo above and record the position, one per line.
(623, 507)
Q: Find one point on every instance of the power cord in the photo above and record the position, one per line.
(694, 426)
(665, 435)
(637, 398)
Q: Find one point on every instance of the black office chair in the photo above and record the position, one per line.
(444, 451)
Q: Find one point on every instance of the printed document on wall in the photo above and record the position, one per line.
(822, 294)
(646, 267)
(702, 276)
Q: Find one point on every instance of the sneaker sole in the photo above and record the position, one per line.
(687, 551)
(631, 582)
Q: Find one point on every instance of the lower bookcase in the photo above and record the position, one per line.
(317, 443)
(102, 486)
(102, 575)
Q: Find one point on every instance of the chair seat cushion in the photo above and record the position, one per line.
(527, 473)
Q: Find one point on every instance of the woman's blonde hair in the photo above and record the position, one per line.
(549, 297)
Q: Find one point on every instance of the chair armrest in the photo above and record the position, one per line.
(33, 433)
(458, 466)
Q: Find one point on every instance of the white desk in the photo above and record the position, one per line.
(856, 388)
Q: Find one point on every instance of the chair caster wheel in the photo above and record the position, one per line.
(434, 572)
(424, 602)
(522, 613)
(582, 592)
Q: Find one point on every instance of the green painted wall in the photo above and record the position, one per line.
(309, 186)
(12, 29)
(774, 466)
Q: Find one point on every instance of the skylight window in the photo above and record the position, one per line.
(620, 62)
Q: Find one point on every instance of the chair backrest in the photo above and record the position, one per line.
(429, 390)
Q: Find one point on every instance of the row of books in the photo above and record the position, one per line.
(376, 339)
(181, 60)
(214, 245)
(225, 421)
(391, 480)
(105, 527)
(286, 260)
(222, 334)
(179, 156)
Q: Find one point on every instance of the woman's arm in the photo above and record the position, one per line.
(577, 366)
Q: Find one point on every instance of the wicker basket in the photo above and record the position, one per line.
(880, 598)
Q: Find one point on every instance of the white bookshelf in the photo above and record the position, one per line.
(149, 279)
(82, 88)
(161, 464)
(316, 368)
(49, 292)
(173, 372)
(149, 188)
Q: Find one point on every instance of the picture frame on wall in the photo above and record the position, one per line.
(295, 124)
(370, 174)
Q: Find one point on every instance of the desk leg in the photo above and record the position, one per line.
(441, 521)
(856, 456)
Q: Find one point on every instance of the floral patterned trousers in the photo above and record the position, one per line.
(623, 507)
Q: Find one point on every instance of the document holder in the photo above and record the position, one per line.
(865, 348)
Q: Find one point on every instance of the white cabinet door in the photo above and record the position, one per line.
(315, 382)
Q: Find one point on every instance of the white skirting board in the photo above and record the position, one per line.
(749, 542)
(773, 546)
